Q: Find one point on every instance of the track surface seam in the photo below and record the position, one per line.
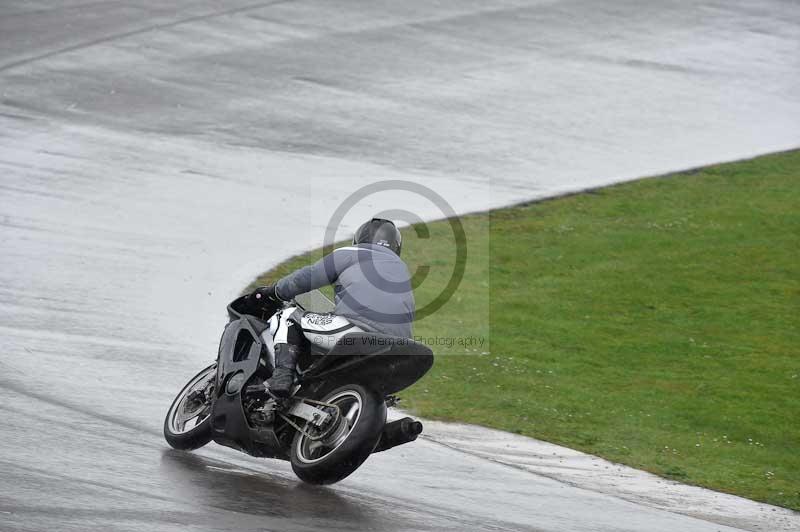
(155, 27)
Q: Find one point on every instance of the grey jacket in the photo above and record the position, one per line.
(371, 283)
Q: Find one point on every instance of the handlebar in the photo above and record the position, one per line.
(243, 305)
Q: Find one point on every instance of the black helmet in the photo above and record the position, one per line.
(381, 232)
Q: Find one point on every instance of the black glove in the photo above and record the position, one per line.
(266, 295)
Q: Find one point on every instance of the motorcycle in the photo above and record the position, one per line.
(335, 418)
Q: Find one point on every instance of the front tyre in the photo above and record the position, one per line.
(347, 447)
(188, 422)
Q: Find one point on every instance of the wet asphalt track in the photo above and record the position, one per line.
(154, 156)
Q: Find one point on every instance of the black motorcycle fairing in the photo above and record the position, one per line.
(238, 361)
(386, 363)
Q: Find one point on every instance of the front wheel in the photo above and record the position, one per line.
(344, 449)
(188, 422)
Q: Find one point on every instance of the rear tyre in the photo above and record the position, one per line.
(347, 447)
(188, 422)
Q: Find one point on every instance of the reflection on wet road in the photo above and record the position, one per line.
(155, 156)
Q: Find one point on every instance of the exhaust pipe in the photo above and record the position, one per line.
(397, 433)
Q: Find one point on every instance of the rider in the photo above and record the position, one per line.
(373, 293)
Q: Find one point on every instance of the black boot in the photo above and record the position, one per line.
(282, 380)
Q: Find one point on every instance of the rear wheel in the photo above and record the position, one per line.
(188, 422)
(346, 446)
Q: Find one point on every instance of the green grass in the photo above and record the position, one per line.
(654, 323)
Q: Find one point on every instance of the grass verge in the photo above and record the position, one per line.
(653, 323)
